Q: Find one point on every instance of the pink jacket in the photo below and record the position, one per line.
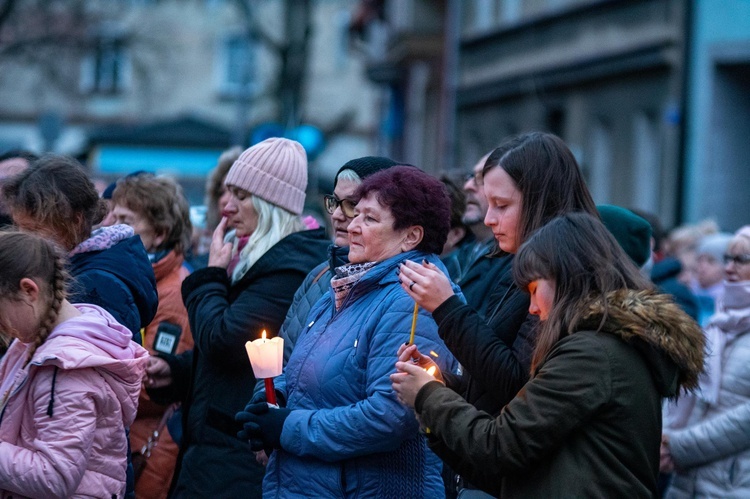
(62, 423)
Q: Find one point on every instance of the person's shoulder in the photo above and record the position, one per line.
(312, 235)
(587, 344)
(298, 252)
(312, 243)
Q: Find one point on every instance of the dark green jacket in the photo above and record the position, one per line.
(588, 424)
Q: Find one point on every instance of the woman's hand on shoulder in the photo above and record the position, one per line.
(220, 253)
(425, 283)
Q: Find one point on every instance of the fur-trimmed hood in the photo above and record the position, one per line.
(672, 343)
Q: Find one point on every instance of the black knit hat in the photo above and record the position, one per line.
(632, 232)
(365, 166)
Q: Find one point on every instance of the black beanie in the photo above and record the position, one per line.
(365, 166)
(632, 232)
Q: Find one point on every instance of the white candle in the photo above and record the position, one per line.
(266, 356)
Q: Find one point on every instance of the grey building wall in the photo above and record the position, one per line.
(718, 126)
(606, 76)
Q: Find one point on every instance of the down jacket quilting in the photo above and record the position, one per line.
(711, 452)
(347, 435)
(62, 432)
(114, 273)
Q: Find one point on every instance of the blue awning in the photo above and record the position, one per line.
(121, 160)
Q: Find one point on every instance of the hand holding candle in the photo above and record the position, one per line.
(266, 358)
(410, 353)
(410, 378)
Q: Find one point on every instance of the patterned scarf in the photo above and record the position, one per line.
(104, 238)
(346, 277)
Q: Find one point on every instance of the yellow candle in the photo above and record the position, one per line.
(413, 323)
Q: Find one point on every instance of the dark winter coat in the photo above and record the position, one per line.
(494, 352)
(119, 279)
(589, 422)
(479, 274)
(217, 372)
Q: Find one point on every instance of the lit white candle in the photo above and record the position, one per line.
(266, 356)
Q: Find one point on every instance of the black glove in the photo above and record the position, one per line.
(262, 426)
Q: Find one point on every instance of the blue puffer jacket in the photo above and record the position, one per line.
(114, 272)
(315, 285)
(347, 434)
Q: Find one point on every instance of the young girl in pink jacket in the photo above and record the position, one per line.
(69, 382)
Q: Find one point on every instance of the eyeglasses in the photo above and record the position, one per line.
(347, 205)
(737, 259)
(475, 176)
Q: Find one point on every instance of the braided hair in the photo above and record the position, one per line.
(24, 255)
(58, 295)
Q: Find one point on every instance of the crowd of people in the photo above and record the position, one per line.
(502, 338)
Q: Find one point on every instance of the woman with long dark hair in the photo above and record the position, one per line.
(609, 348)
(528, 180)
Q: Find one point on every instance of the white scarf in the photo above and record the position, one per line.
(730, 321)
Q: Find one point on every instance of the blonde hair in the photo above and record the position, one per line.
(274, 224)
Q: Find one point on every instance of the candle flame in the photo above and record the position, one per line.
(264, 334)
(434, 353)
(431, 371)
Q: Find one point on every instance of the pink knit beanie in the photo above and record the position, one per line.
(274, 170)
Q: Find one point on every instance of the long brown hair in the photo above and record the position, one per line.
(24, 255)
(585, 262)
(547, 175)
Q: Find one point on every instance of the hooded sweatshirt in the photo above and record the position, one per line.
(63, 419)
(588, 423)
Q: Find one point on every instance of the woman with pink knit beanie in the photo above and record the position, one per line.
(260, 253)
